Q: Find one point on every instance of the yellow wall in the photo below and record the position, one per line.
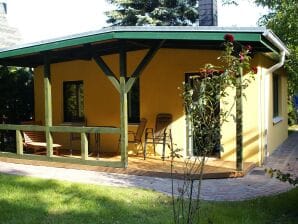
(277, 132)
(158, 94)
(250, 121)
(101, 100)
(158, 91)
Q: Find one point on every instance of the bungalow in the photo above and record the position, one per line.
(111, 78)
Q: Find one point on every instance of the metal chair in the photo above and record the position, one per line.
(161, 134)
(137, 136)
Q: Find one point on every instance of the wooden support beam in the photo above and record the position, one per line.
(123, 60)
(239, 122)
(84, 146)
(140, 68)
(107, 71)
(117, 164)
(48, 104)
(19, 142)
(14, 127)
(123, 123)
(73, 129)
(123, 106)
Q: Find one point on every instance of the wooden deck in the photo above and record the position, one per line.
(152, 166)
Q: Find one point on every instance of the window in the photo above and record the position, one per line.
(73, 101)
(276, 95)
(133, 103)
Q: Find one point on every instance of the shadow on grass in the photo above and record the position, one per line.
(292, 132)
(29, 200)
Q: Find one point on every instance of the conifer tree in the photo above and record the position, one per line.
(153, 12)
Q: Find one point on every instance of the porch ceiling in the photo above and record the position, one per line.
(108, 41)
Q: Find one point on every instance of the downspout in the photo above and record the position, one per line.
(283, 51)
(281, 47)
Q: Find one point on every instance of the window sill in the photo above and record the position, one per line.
(277, 120)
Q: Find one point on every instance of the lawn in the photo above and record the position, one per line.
(293, 129)
(32, 200)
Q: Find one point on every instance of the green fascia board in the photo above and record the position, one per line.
(203, 36)
(43, 47)
(149, 35)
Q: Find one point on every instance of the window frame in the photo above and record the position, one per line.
(276, 95)
(276, 98)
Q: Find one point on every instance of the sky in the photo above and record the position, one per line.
(44, 19)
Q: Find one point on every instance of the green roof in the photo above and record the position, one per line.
(109, 40)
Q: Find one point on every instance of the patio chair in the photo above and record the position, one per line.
(161, 134)
(137, 136)
(36, 140)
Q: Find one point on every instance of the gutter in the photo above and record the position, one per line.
(283, 52)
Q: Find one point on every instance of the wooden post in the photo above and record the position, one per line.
(48, 105)
(123, 123)
(123, 108)
(107, 71)
(124, 86)
(239, 125)
(19, 142)
(84, 146)
(140, 68)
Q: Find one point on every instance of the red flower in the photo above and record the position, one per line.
(229, 37)
(209, 71)
(254, 70)
(241, 57)
(248, 48)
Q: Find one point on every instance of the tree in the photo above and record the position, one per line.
(282, 19)
(16, 99)
(153, 12)
(202, 95)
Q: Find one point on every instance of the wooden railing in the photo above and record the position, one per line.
(50, 157)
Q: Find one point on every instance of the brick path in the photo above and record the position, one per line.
(254, 184)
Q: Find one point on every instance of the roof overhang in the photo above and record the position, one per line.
(84, 46)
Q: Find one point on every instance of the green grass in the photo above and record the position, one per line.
(293, 129)
(32, 200)
(281, 208)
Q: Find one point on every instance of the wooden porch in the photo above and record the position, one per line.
(153, 166)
